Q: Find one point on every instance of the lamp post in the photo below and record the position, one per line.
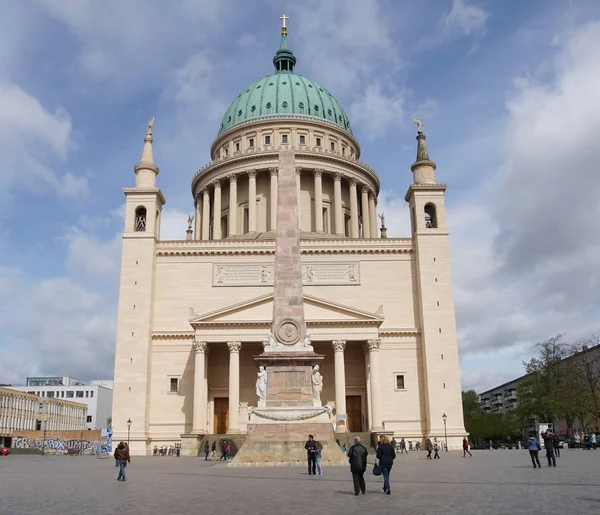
(445, 417)
(128, 431)
(45, 421)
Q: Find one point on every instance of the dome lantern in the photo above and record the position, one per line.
(284, 59)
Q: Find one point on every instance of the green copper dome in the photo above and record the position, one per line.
(282, 94)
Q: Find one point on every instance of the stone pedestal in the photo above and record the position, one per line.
(190, 444)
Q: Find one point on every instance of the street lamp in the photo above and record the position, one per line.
(445, 417)
(45, 421)
(128, 431)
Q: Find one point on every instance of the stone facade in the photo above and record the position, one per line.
(193, 314)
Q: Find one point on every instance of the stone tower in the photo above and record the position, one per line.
(436, 317)
(143, 206)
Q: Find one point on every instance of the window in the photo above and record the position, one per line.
(237, 147)
(92, 393)
(79, 394)
(224, 227)
(251, 142)
(430, 216)
(70, 395)
(267, 140)
(284, 139)
(318, 142)
(50, 394)
(302, 140)
(400, 382)
(246, 221)
(140, 219)
(332, 146)
(87, 394)
(62, 394)
(89, 419)
(173, 384)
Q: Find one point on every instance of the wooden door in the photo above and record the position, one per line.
(354, 412)
(221, 415)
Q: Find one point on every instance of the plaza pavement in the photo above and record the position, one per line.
(492, 482)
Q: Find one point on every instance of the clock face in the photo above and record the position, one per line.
(288, 332)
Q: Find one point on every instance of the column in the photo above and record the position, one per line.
(232, 204)
(234, 386)
(273, 172)
(337, 204)
(368, 383)
(298, 173)
(366, 225)
(340, 384)
(252, 201)
(198, 221)
(318, 200)
(373, 346)
(373, 214)
(217, 211)
(353, 210)
(205, 214)
(199, 416)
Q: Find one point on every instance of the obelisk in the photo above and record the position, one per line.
(289, 327)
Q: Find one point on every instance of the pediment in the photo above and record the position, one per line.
(260, 310)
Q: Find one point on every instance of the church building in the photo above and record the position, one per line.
(194, 312)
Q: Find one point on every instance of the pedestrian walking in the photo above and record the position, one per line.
(555, 444)
(228, 450)
(577, 441)
(403, 446)
(310, 447)
(491, 445)
(466, 448)
(429, 447)
(594, 441)
(436, 449)
(213, 451)
(206, 450)
(345, 448)
(123, 458)
(386, 455)
(318, 451)
(549, 444)
(357, 456)
(534, 447)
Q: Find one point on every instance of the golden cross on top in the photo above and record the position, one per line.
(283, 27)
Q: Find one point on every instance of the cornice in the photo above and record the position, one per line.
(268, 323)
(145, 191)
(267, 247)
(424, 187)
(394, 332)
(173, 335)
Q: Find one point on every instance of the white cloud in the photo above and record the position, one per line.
(377, 110)
(89, 256)
(464, 20)
(173, 224)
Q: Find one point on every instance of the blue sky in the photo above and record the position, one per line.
(509, 92)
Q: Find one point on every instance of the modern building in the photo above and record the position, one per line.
(503, 398)
(98, 399)
(21, 411)
(193, 312)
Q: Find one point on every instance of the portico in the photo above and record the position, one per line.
(224, 366)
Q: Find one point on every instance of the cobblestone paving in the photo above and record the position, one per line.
(497, 482)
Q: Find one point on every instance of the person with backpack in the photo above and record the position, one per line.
(429, 447)
(357, 456)
(123, 458)
(549, 444)
(555, 444)
(534, 447)
(466, 448)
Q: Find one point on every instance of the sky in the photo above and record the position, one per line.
(509, 95)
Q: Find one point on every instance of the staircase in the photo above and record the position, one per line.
(236, 441)
(366, 438)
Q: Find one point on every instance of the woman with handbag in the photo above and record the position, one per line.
(386, 455)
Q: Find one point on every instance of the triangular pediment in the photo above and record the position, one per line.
(260, 309)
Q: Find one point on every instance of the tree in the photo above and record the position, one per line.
(540, 394)
(470, 403)
(108, 422)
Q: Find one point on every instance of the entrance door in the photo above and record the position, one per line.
(354, 412)
(221, 415)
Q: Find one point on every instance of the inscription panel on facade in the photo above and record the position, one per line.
(329, 274)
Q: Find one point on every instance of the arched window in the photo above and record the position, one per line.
(430, 216)
(140, 219)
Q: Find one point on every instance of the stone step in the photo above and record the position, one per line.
(236, 441)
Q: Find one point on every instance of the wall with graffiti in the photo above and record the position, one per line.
(64, 442)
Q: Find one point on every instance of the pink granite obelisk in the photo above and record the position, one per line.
(289, 327)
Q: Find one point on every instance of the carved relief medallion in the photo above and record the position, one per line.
(288, 332)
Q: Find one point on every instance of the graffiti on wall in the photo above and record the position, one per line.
(105, 445)
(57, 445)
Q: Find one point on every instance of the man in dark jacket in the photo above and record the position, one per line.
(123, 458)
(549, 444)
(357, 456)
(311, 448)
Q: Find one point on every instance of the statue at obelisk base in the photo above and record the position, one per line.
(289, 382)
